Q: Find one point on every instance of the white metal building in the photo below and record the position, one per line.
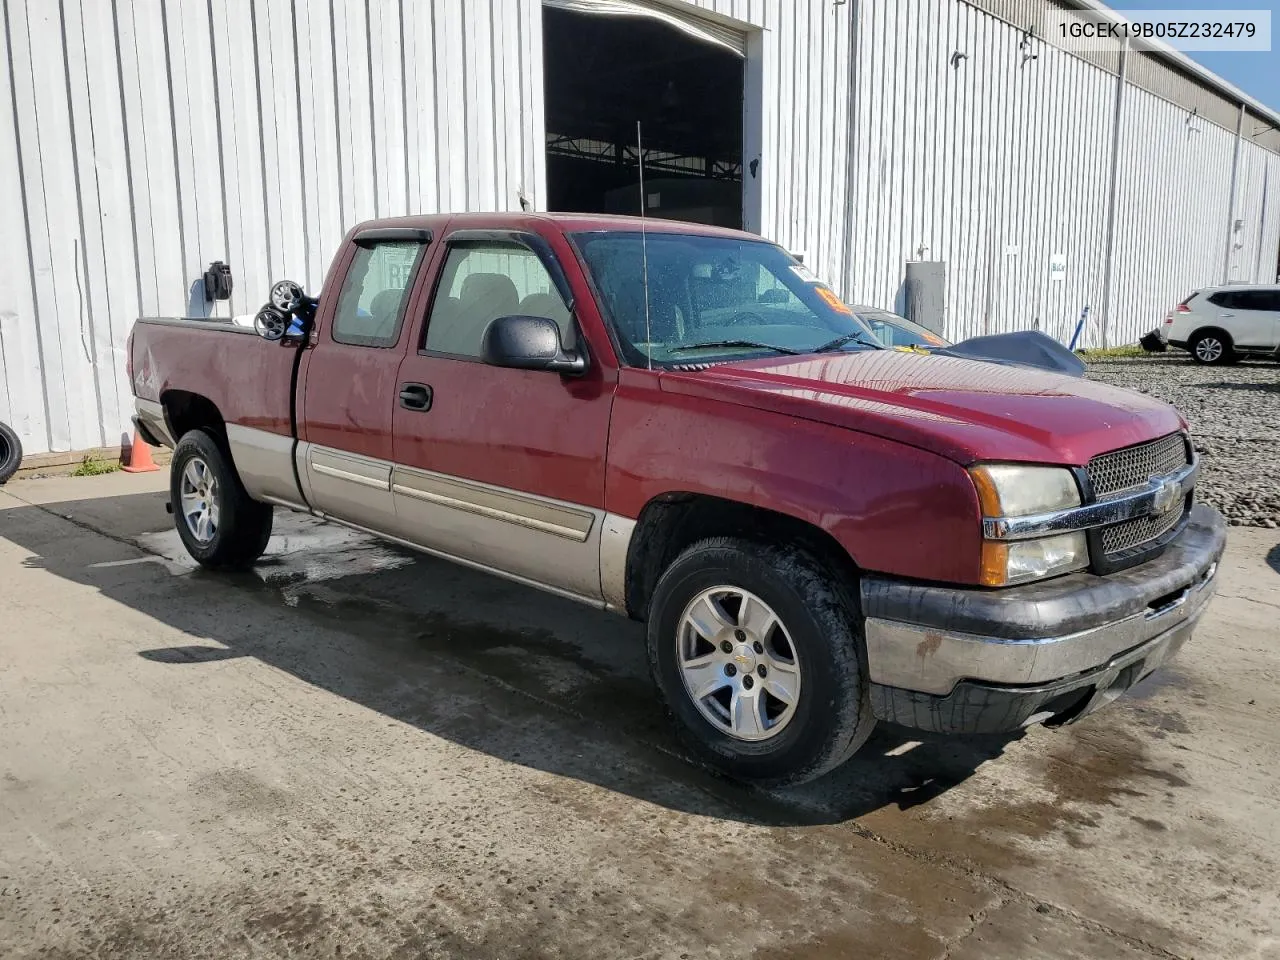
(144, 139)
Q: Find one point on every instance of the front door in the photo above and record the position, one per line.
(1252, 317)
(506, 468)
(1269, 300)
(349, 387)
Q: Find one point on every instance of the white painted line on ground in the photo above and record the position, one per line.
(125, 563)
(902, 748)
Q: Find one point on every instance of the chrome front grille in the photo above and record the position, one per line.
(1134, 533)
(1130, 468)
(1134, 466)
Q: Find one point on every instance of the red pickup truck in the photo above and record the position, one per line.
(681, 424)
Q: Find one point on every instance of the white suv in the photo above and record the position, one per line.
(1225, 324)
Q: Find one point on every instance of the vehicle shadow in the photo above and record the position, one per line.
(546, 682)
(1273, 558)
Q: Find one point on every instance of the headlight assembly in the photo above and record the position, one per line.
(1010, 490)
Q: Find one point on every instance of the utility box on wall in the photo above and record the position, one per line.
(927, 294)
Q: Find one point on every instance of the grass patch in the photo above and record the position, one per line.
(93, 467)
(1113, 353)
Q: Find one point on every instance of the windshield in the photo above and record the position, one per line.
(713, 298)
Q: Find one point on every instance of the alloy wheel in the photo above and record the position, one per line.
(738, 663)
(1209, 349)
(199, 495)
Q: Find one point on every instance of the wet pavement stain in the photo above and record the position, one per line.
(377, 593)
(1084, 775)
(1167, 680)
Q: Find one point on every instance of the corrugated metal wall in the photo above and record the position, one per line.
(995, 163)
(146, 138)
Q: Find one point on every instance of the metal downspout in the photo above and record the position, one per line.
(1231, 211)
(1113, 194)
(845, 282)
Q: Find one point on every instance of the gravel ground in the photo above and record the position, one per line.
(1234, 414)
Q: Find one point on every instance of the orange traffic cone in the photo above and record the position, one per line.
(139, 457)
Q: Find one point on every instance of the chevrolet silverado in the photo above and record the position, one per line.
(683, 425)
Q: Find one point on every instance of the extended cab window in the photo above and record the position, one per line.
(374, 293)
(485, 280)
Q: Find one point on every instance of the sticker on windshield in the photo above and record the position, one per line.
(835, 303)
(804, 273)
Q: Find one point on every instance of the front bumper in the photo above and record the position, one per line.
(957, 660)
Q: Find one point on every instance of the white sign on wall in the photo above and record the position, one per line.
(1057, 267)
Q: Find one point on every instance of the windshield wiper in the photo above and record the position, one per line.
(712, 344)
(839, 342)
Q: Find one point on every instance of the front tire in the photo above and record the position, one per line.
(758, 659)
(222, 527)
(1212, 348)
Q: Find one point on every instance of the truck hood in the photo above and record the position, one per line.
(965, 410)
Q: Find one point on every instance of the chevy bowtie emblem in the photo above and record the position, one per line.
(1168, 493)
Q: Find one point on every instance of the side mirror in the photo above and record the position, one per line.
(529, 343)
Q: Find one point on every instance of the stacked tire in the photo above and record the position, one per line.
(10, 452)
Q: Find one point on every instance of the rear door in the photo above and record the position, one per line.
(348, 387)
(506, 467)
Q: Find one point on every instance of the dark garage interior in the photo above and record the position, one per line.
(605, 73)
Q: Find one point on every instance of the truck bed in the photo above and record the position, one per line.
(248, 379)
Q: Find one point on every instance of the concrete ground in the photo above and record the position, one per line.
(357, 752)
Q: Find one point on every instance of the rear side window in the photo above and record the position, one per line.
(1247, 299)
(1256, 300)
(371, 306)
(482, 281)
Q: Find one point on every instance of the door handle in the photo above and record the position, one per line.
(415, 396)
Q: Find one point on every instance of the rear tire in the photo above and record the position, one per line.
(789, 698)
(1212, 348)
(222, 527)
(10, 452)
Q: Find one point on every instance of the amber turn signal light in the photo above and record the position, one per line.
(995, 563)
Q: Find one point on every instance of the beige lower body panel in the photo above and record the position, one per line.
(567, 548)
(574, 550)
(545, 541)
(265, 463)
(615, 545)
(350, 486)
(152, 414)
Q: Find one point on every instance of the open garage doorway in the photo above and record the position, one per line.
(606, 71)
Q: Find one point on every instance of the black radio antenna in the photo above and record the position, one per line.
(644, 251)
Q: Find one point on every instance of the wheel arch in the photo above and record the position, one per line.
(1211, 328)
(185, 411)
(671, 522)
